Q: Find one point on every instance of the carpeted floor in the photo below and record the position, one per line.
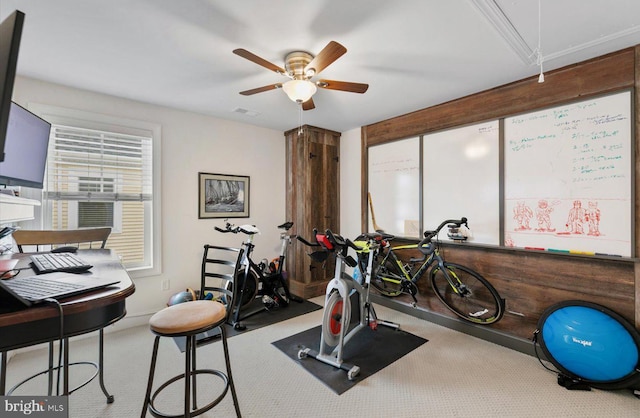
(368, 350)
(258, 319)
(453, 375)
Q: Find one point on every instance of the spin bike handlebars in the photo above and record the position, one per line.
(245, 229)
(331, 242)
(338, 241)
(328, 241)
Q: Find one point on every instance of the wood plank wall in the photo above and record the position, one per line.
(532, 281)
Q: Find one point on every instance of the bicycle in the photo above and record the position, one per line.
(342, 292)
(462, 290)
(262, 280)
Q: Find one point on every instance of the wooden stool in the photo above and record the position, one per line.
(187, 320)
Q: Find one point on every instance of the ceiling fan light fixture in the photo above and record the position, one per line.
(299, 90)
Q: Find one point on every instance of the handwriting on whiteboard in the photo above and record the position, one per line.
(568, 174)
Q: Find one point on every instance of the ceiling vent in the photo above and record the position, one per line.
(246, 112)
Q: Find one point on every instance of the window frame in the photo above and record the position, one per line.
(111, 123)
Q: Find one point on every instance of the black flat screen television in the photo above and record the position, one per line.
(10, 34)
(27, 143)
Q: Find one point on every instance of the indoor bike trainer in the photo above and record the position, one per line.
(343, 292)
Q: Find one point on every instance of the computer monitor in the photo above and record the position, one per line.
(27, 143)
(10, 34)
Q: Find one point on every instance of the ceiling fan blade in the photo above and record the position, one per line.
(261, 89)
(329, 54)
(343, 86)
(308, 105)
(260, 61)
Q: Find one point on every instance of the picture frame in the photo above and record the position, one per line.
(223, 196)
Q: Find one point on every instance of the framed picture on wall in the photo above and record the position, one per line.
(223, 196)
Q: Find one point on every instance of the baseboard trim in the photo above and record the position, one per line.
(483, 332)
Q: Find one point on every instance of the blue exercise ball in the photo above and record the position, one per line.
(590, 342)
(181, 297)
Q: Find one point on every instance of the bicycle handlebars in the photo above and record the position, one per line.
(423, 245)
(245, 229)
(305, 242)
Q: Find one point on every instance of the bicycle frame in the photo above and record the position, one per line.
(426, 262)
(248, 264)
(285, 238)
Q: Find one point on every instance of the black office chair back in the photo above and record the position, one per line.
(219, 276)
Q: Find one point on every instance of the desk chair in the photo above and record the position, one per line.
(45, 241)
(85, 238)
(190, 319)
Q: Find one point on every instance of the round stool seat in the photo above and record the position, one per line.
(188, 317)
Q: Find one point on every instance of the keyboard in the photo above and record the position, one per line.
(36, 288)
(53, 262)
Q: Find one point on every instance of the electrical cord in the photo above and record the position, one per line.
(61, 338)
(534, 340)
(9, 274)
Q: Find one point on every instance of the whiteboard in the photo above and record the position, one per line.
(568, 177)
(394, 186)
(461, 178)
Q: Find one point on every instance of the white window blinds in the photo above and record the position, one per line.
(102, 172)
(93, 165)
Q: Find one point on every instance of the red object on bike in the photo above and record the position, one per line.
(336, 318)
(323, 240)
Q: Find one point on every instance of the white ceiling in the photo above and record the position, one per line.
(412, 53)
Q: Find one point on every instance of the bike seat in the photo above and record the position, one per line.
(286, 226)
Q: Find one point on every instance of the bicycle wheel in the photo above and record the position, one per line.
(250, 286)
(333, 320)
(475, 300)
(387, 277)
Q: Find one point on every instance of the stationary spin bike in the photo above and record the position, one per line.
(347, 308)
(262, 284)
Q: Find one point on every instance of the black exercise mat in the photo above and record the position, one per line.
(264, 318)
(368, 349)
(256, 321)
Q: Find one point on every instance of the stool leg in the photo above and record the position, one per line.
(228, 364)
(147, 397)
(187, 380)
(3, 372)
(193, 374)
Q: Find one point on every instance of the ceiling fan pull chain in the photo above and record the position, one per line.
(300, 130)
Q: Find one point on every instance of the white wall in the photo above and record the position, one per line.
(350, 183)
(191, 143)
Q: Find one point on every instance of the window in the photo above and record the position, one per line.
(101, 174)
(93, 214)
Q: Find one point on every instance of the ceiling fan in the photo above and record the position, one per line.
(301, 67)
